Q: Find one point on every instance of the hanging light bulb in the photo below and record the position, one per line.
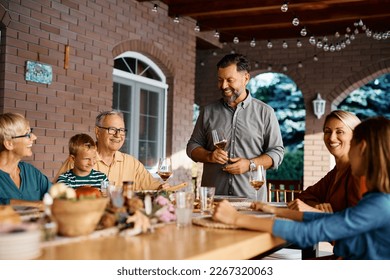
(315, 58)
(284, 7)
(348, 30)
(216, 34)
(269, 44)
(232, 51)
(269, 68)
(300, 65)
(338, 47)
(299, 43)
(253, 43)
(343, 45)
(326, 47)
(312, 40)
(348, 41)
(337, 34)
(176, 19)
(256, 64)
(202, 63)
(361, 23)
(356, 31)
(332, 48)
(368, 33)
(325, 39)
(352, 37)
(214, 53)
(319, 44)
(236, 40)
(303, 32)
(295, 21)
(284, 68)
(154, 9)
(197, 27)
(285, 45)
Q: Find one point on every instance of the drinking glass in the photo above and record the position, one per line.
(257, 179)
(164, 168)
(219, 138)
(206, 198)
(184, 207)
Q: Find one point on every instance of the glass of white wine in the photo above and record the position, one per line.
(257, 179)
(164, 168)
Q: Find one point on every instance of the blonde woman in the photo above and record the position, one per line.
(20, 182)
(339, 188)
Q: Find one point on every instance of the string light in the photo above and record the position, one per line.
(253, 43)
(295, 21)
(284, 7)
(197, 27)
(339, 45)
(303, 32)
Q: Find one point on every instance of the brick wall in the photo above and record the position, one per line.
(96, 31)
(334, 75)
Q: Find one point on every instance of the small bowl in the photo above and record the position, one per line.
(79, 217)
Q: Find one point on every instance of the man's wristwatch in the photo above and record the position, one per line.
(252, 165)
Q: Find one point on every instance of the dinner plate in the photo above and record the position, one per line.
(230, 198)
(24, 210)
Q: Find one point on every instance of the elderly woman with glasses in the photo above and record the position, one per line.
(20, 182)
(119, 167)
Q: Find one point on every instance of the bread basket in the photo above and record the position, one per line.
(78, 217)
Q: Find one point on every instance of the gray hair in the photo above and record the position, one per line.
(100, 118)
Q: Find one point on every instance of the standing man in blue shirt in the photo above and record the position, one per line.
(251, 126)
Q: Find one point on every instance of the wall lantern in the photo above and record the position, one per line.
(319, 106)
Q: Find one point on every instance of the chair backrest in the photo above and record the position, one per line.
(283, 190)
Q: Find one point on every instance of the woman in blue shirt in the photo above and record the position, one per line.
(360, 232)
(20, 182)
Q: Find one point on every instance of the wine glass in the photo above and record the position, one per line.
(164, 168)
(219, 139)
(257, 179)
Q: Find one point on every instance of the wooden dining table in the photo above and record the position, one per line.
(169, 242)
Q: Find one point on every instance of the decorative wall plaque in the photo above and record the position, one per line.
(39, 72)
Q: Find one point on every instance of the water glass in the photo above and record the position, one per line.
(206, 198)
(184, 207)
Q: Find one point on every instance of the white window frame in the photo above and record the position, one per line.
(137, 83)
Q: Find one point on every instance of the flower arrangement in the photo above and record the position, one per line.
(164, 210)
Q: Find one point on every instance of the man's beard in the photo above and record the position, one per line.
(231, 99)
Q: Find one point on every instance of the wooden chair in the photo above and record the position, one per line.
(286, 191)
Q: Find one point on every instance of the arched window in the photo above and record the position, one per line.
(140, 92)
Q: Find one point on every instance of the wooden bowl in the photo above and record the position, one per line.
(79, 217)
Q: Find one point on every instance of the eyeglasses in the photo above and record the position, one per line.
(27, 135)
(113, 130)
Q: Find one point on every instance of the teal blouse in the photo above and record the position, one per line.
(34, 184)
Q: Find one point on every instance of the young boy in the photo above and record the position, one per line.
(82, 151)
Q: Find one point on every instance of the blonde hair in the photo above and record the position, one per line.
(11, 124)
(376, 133)
(79, 142)
(348, 118)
